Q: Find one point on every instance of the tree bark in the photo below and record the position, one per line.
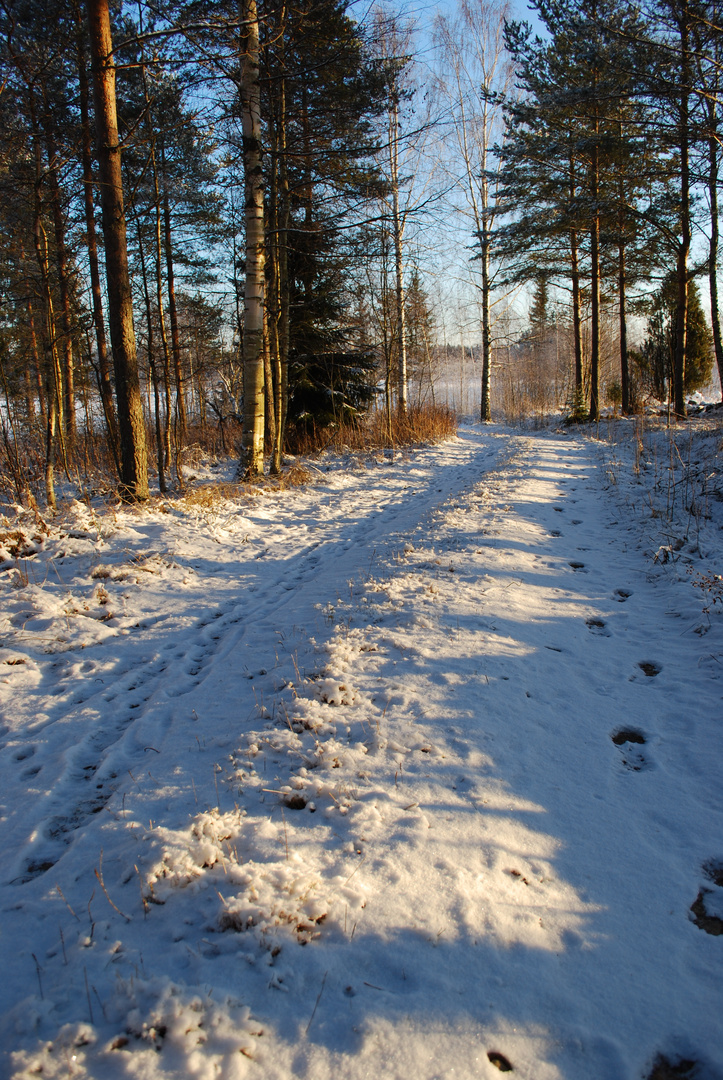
(713, 151)
(251, 464)
(398, 232)
(579, 399)
(67, 414)
(485, 403)
(106, 388)
(595, 291)
(627, 403)
(131, 425)
(160, 441)
(681, 312)
(172, 309)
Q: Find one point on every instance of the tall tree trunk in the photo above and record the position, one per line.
(398, 233)
(713, 151)
(281, 400)
(252, 445)
(40, 389)
(579, 399)
(67, 411)
(52, 374)
(485, 403)
(134, 464)
(627, 403)
(106, 388)
(681, 311)
(172, 308)
(595, 291)
(160, 441)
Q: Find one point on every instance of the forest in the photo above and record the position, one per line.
(361, 540)
(249, 227)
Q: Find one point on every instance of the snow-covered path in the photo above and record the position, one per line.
(412, 772)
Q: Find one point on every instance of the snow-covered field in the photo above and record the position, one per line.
(413, 772)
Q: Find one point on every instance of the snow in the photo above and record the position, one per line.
(322, 782)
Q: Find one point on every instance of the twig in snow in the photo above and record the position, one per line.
(357, 867)
(102, 1006)
(99, 875)
(37, 969)
(60, 893)
(87, 992)
(316, 1006)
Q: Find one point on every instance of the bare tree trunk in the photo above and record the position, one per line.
(36, 363)
(106, 389)
(579, 402)
(160, 441)
(398, 234)
(282, 275)
(172, 309)
(713, 151)
(485, 403)
(252, 446)
(134, 464)
(681, 310)
(595, 292)
(67, 413)
(627, 402)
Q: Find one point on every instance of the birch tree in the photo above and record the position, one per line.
(480, 75)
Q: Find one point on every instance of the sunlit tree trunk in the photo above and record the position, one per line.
(106, 388)
(134, 465)
(172, 308)
(252, 445)
(398, 234)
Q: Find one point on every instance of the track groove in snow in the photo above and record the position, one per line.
(354, 776)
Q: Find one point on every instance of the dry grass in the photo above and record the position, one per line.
(208, 496)
(377, 431)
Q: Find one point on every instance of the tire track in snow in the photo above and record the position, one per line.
(102, 744)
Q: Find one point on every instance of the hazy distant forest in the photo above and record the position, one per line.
(251, 228)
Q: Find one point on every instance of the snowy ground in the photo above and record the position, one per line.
(413, 772)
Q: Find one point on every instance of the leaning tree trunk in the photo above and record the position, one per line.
(252, 444)
(131, 425)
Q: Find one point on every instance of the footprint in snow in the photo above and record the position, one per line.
(24, 753)
(577, 566)
(500, 1061)
(555, 532)
(677, 1069)
(707, 908)
(597, 626)
(621, 595)
(628, 739)
(650, 668)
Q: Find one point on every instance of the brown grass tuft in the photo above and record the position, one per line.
(377, 431)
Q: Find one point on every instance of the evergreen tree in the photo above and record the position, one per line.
(656, 359)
